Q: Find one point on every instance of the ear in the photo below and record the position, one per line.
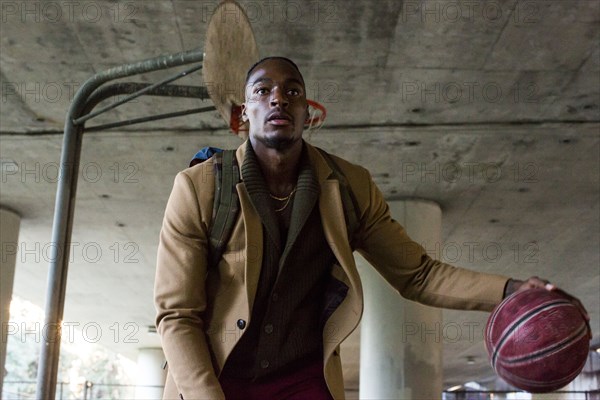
(244, 115)
(307, 114)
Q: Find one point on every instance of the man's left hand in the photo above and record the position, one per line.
(515, 285)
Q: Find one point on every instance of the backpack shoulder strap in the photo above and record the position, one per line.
(349, 202)
(226, 203)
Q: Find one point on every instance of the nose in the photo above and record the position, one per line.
(278, 98)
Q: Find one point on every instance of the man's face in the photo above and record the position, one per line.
(275, 106)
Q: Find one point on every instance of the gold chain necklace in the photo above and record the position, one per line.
(286, 199)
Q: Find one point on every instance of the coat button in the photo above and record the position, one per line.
(264, 364)
(275, 297)
(241, 323)
(269, 328)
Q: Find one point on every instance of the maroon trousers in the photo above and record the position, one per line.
(302, 383)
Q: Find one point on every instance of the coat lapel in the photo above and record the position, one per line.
(253, 233)
(346, 317)
(254, 244)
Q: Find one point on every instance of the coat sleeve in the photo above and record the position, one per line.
(179, 292)
(384, 243)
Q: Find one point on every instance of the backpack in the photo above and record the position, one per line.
(226, 203)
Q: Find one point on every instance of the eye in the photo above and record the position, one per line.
(261, 91)
(293, 92)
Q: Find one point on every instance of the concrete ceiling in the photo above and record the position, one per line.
(491, 109)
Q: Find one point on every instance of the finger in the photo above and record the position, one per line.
(542, 283)
(536, 281)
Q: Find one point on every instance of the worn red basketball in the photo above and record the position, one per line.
(537, 340)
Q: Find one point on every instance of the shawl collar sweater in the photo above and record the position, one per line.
(287, 317)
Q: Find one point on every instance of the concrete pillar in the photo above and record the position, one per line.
(9, 243)
(401, 341)
(151, 376)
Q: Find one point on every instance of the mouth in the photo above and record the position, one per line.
(279, 118)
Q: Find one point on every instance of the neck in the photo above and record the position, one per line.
(279, 166)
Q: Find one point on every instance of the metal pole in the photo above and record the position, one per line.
(64, 207)
(106, 91)
(137, 94)
(151, 118)
(57, 274)
(86, 389)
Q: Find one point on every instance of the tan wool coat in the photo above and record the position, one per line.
(198, 308)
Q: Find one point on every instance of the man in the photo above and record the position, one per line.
(267, 322)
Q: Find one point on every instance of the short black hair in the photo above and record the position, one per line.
(253, 67)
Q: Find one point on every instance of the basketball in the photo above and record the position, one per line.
(537, 340)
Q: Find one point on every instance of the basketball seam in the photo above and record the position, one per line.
(507, 333)
(512, 378)
(547, 351)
